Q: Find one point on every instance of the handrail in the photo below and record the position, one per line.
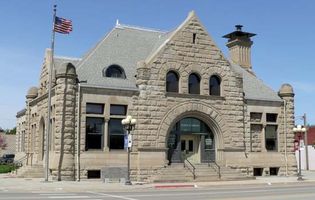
(215, 167)
(193, 170)
(19, 161)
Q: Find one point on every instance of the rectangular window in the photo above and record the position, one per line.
(94, 133)
(116, 134)
(271, 117)
(255, 137)
(258, 171)
(190, 146)
(118, 109)
(271, 137)
(255, 117)
(273, 171)
(94, 108)
(94, 174)
(183, 145)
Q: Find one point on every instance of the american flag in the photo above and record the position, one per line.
(62, 25)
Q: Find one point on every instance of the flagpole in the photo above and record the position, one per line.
(48, 129)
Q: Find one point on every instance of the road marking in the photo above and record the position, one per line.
(110, 195)
(67, 197)
(56, 194)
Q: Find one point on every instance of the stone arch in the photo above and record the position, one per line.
(41, 139)
(202, 111)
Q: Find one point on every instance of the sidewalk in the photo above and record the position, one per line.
(10, 183)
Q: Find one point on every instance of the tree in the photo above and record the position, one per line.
(11, 131)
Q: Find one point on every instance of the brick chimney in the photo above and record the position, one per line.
(239, 44)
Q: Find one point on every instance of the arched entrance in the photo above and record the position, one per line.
(191, 139)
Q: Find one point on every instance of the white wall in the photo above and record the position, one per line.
(311, 157)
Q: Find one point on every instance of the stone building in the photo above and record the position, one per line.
(192, 104)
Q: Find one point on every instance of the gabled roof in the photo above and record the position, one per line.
(254, 88)
(126, 45)
(123, 46)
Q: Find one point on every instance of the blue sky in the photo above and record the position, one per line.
(283, 50)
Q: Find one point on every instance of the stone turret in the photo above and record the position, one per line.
(64, 138)
(239, 45)
(287, 94)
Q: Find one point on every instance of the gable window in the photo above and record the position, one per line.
(114, 71)
(214, 85)
(172, 82)
(194, 84)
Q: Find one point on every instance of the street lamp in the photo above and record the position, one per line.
(299, 130)
(129, 125)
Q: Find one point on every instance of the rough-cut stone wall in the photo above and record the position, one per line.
(156, 110)
(288, 115)
(63, 157)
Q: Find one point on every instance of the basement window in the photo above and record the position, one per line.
(94, 174)
(273, 171)
(258, 171)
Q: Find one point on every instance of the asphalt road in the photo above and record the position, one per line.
(305, 191)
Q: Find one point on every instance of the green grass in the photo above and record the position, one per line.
(6, 168)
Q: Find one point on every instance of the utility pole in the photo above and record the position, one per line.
(306, 142)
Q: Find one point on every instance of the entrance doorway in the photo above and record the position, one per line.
(191, 139)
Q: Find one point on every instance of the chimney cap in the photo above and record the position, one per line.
(238, 33)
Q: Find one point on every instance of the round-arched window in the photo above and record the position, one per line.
(215, 86)
(172, 82)
(194, 84)
(114, 71)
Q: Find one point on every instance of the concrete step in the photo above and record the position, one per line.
(34, 171)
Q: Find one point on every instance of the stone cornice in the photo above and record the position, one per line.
(193, 96)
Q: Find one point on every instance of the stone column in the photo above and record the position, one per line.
(106, 138)
(31, 95)
(62, 162)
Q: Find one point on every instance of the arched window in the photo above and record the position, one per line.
(172, 82)
(194, 84)
(114, 71)
(214, 86)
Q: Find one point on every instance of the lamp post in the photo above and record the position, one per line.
(129, 125)
(298, 130)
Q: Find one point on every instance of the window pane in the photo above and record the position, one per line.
(94, 133)
(271, 117)
(116, 134)
(171, 82)
(194, 84)
(183, 145)
(215, 86)
(115, 71)
(271, 137)
(94, 108)
(190, 146)
(118, 109)
(94, 125)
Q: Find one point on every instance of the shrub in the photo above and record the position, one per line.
(6, 168)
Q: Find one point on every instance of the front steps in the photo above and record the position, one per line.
(203, 173)
(31, 171)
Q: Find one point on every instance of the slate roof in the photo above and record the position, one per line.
(123, 46)
(254, 88)
(59, 60)
(126, 45)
